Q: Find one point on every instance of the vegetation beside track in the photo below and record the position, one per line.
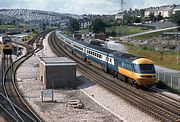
(127, 30)
(163, 85)
(115, 30)
(165, 59)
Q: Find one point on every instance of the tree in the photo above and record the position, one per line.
(142, 11)
(176, 19)
(151, 17)
(159, 17)
(98, 26)
(73, 25)
(137, 20)
(128, 20)
(14, 22)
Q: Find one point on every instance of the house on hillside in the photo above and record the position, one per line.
(119, 16)
(151, 10)
(165, 11)
(85, 23)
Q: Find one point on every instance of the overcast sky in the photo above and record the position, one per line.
(83, 6)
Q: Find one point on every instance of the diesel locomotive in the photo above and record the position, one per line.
(6, 44)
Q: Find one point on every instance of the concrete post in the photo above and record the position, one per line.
(171, 81)
(179, 84)
(164, 77)
(158, 75)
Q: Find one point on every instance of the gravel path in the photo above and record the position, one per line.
(2, 119)
(100, 105)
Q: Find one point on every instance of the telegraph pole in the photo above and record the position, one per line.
(121, 9)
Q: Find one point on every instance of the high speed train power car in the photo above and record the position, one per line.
(6, 44)
(139, 71)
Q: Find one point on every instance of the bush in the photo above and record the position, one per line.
(162, 85)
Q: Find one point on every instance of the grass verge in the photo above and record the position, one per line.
(29, 37)
(127, 30)
(165, 59)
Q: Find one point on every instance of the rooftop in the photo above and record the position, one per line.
(56, 61)
(177, 7)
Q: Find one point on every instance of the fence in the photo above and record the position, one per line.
(172, 79)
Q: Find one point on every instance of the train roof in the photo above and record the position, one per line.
(125, 56)
(102, 49)
(116, 54)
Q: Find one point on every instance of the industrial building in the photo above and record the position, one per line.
(57, 72)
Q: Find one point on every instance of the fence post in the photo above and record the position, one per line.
(164, 77)
(158, 75)
(171, 81)
(179, 84)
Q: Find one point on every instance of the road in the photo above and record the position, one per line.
(142, 33)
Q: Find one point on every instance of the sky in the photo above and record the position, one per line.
(83, 6)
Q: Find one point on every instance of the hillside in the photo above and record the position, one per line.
(35, 16)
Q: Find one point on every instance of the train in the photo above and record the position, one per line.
(138, 71)
(6, 44)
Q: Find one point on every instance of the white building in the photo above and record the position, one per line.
(119, 16)
(165, 11)
(151, 10)
(85, 24)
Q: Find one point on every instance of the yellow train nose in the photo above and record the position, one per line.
(146, 80)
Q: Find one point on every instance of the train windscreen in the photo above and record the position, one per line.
(7, 39)
(145, 68)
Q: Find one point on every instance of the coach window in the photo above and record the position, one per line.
(107, 59)
(110, 60)
(123, 65)
(100, 56)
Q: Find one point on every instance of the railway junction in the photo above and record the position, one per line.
(99, 104)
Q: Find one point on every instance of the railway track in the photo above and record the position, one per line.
(7, 116)
(162, 108)
(11, 99)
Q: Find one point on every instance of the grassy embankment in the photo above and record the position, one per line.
(29, 37)
(32, 34)
(7, 26)
(165, 59)
(127, 30)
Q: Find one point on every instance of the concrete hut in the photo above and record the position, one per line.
(57, 72)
